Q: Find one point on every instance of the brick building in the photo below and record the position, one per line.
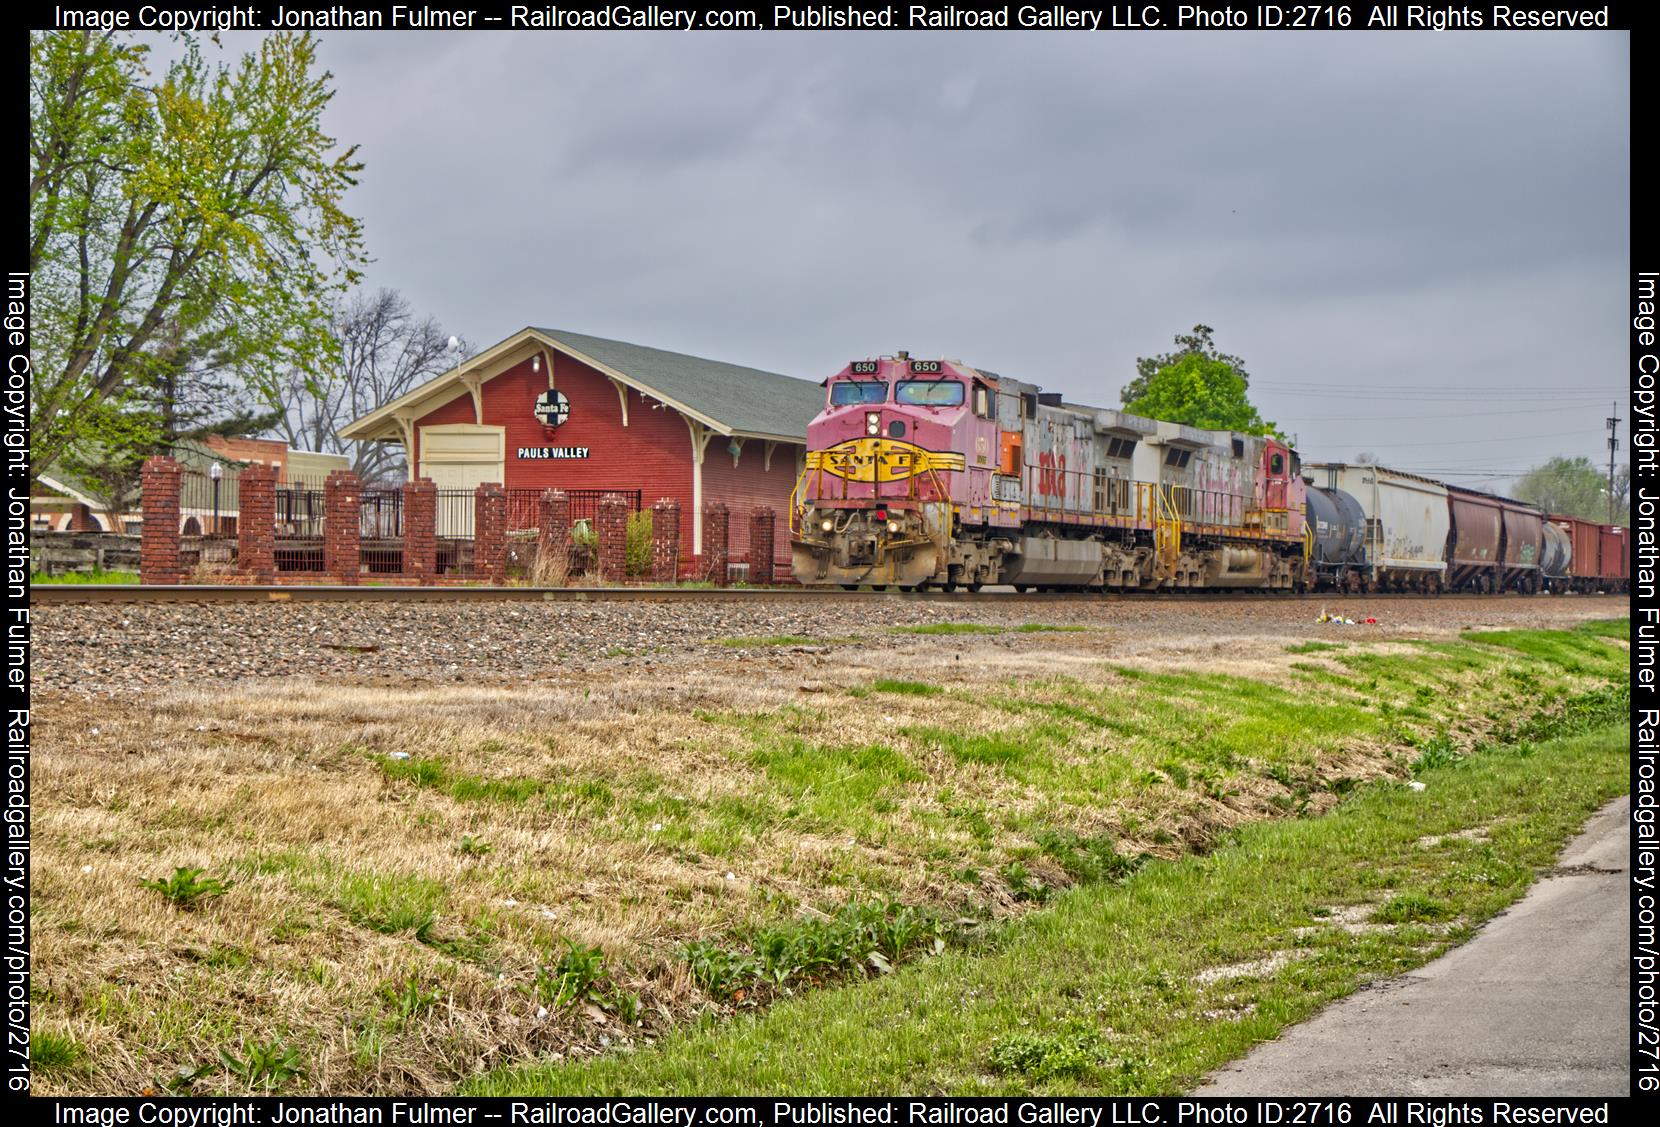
(551, 409)
(64, 504)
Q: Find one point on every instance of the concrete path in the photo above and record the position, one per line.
(1537, 1004)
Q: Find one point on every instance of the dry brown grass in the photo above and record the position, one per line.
(632, 812)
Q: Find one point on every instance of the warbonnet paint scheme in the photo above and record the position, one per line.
(932, 472)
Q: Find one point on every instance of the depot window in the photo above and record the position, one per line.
(858, 391)
(929, 393)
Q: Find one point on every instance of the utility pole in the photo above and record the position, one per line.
(1613, 445)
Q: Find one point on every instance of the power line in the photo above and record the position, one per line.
(1462, 442)
(1556, 410)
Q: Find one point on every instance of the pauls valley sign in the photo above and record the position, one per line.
(553, 451)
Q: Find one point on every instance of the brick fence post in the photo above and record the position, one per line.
(420, 530)
(343, 526)
(762, 522)
(665, 540)
(714, 542)
(158, 541)
(611, 522)
(553, 537)
(256, 523)
(490, 532)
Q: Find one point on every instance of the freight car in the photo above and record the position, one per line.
(1494, 544)
(932, 472)
(1405, 526)
(1597, 556)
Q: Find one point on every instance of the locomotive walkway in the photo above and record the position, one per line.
(1535, 1005)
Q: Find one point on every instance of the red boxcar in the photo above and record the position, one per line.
(1601, 555)
(1616, 556)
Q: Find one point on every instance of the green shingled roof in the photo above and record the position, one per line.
(744, 400)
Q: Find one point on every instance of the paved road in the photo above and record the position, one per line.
(1536, 1004)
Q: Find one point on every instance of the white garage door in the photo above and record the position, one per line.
(461, 457)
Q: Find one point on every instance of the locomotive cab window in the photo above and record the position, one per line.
(1276, 464)
(929, 393)
(982, 401)
(858, 391)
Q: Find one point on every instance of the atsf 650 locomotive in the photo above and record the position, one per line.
(923, 472)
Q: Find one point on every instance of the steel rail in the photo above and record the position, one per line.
(67, 594)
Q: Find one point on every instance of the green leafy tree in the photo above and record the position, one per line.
(200, 213)
(1201, 392)
(191, 396)
(1576, 487)
(1197, 343)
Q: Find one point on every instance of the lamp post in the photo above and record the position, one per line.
(216, 471)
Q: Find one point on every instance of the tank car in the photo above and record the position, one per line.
(932, 472)
(1337, 530)
(1556, 556)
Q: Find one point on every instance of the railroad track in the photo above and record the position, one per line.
(68, 594)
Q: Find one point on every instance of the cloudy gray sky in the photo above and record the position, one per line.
(1418, 242)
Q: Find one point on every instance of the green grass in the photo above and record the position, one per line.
(94, 576)
(50, 1051)
(1313, 647)
(769, 640)
(982, 628)
(905, 688)
(1102, 992)
(390, 903)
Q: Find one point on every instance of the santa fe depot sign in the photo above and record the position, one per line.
(552, 410)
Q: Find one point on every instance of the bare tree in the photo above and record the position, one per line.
(385, 350)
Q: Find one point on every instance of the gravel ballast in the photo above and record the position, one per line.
(123, 648)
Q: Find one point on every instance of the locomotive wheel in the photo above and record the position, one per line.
(949, 586)
(975, 587)
(850, 586)
(1021, 588)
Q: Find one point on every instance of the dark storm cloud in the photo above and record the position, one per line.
(1362, 211)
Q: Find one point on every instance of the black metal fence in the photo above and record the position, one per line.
(381, 529)
(209, 509)
(299, 516)
(207, 522)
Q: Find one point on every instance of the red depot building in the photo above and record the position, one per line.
(551, 409)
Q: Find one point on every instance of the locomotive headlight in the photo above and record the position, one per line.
(873, 423)
(827, 524)
(893, 526)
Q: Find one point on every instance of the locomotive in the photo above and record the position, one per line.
(924, 473)
(931, 472)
